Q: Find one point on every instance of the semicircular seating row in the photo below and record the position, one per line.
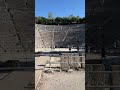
(47, 36)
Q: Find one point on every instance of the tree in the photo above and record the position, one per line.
(50, 15)
(78, 19)
(74, 20)
(50, 21)
(36, 19)
(58, 20)
(66, 20)
(83, 20)
(42, 20)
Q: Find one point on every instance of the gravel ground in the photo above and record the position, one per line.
(62, 81)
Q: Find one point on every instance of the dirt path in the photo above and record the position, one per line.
(63, 81)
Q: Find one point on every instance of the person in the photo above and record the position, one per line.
(78, 48)
(103, 53)
(69, 48)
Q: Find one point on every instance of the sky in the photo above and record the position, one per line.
(60, 8)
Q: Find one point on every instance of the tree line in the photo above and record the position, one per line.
(59, 20)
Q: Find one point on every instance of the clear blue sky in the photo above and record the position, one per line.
(60, 8)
